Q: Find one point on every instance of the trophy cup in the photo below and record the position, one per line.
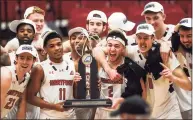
(88, 93)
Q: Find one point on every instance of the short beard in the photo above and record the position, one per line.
(22, 42)
(189, 50)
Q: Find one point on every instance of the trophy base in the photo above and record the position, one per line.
(88, 103)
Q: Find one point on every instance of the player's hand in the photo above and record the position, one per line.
(59, 107)
(77, 77)
(176, 27)
(116, 102)
(165, 51)
(167, 73)
(113, 75)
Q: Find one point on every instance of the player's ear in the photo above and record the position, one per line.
(87, 26)
(45, 49)
(34, 60)
(104, 28)
(164, 16)
(153, 37)
(16, 59)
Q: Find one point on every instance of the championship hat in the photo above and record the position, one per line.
(14, 24)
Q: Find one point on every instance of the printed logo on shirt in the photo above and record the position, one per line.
(72, 73)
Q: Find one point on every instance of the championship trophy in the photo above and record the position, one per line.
(87, 91)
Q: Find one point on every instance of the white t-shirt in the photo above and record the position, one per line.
(158, 95)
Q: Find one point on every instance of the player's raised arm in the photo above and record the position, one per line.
(99, 54)
(177, 76)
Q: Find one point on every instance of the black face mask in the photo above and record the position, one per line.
(21, 42)
(189, 50)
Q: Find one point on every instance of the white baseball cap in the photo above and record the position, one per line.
(145, 28)
(78, 30)
(119, 20)
(14, 24)
(27, 49)
(187, 22)
(153, 7)
(98, 15)
(31, 10)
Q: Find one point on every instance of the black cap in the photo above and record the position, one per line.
(133, 105)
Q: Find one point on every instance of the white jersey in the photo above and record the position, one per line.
(57, 87)
(168, 33)
(184, 96)
(15, 91)
(136, 55)
(110, 88)
(162, 102)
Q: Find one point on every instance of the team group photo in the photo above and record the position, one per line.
(96, 59)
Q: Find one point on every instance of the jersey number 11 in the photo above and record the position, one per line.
(62, 92)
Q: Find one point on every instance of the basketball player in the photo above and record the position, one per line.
(96, 24)
(159, 79)
(154, 14)
(25, 31)
(182, 47)
(14, 80)
(53, 79)
(116, 42)
(78, 37)
(36, 15)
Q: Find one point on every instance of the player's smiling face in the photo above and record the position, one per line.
(115, 50)
(25, 32)
(95, 27)
(77, 40)
(25, 61)
(144, 42)
(186, 38)
(38, 19)
(155, 19)
(54, 48)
